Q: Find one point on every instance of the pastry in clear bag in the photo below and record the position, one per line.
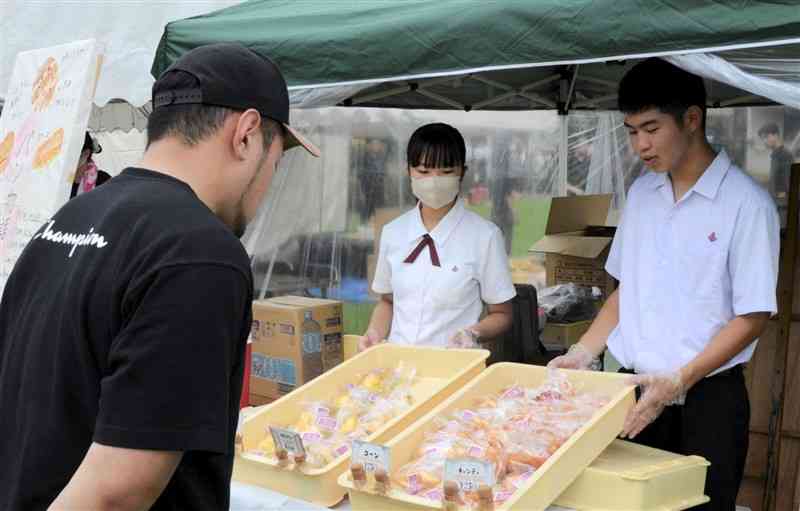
(516, 430)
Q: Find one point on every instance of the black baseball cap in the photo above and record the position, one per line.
(231, 75)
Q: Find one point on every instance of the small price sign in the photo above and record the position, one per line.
(288, 441)
(372, 456)
(469, 475)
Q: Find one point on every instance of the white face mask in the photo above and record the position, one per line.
(436, 191)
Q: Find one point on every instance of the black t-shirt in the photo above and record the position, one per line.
(124, 323)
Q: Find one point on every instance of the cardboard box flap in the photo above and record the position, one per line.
(569, 214)
(577, 246)
(303, 301)
(269, 304)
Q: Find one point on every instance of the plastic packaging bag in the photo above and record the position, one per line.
(517, 429)
(566, 303)
(327, 428)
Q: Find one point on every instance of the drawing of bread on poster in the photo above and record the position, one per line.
(44, 87)
(42, 127)
(49, 149)
(5, 150)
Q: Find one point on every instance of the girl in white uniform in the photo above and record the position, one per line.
(439, 263)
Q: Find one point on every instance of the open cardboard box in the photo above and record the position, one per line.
(577, 242)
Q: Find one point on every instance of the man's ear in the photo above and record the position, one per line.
(246, 134)
(693, 118)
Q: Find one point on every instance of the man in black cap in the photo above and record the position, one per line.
(123, 323)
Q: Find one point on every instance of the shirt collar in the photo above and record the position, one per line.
(443, 230)
(709, 182)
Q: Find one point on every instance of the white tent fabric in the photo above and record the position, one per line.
(120, 149)
(128, 31)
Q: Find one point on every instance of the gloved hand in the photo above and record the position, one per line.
(658, 391)
(577, 357)
(466, 338)
(369, 339)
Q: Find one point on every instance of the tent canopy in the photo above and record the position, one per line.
(474, 54)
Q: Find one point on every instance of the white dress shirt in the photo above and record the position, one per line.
(687, 268)
(431, 303)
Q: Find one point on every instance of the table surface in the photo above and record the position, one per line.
(245, 497)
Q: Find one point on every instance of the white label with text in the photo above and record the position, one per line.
(288, 441)
(372, 456)
(469, 475)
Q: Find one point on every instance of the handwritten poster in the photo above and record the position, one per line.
(42, 128)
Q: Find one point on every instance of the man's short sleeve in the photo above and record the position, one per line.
(614, 261)
(382, 282)
(169, 382)
(495, 277)
(753, 259)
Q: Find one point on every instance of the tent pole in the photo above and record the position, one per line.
(785, 305)
(563, 152)
(571, 89)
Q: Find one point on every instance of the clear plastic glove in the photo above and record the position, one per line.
(658, 392)
(368, 340)
(464, 339)
(577, 357)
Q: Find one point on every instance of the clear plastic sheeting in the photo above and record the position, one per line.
(317, 232)
(772, 86)
(301, 97)
(771, 63)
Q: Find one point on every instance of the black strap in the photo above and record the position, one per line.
(178, 97)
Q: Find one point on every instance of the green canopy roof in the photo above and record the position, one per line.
(504, 43)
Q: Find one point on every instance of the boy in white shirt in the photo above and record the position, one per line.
(696, 254)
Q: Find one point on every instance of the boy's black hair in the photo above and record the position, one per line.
(656, 83)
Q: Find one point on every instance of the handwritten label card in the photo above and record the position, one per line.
(371, 456)
(469, 474)
(288, 441)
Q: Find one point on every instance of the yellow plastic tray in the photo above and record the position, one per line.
(552, 478)
(350, 346)
(440, 373)
(631, 477)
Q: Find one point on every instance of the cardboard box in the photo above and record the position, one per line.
(526, 270)
(560, 336)
(577, 242)
(295, 339)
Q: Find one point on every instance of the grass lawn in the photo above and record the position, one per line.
(531, 221)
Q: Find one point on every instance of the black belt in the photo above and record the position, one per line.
(737, 370)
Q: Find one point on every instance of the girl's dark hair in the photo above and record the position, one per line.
(436, 145)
